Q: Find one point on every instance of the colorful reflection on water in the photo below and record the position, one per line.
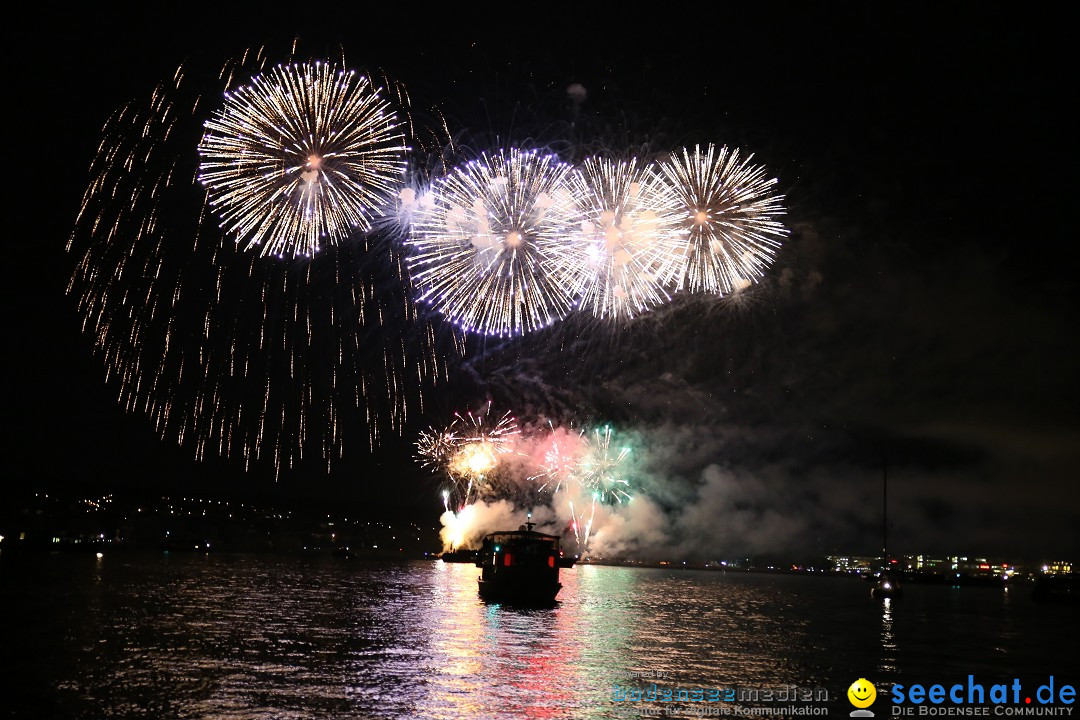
(254, 637)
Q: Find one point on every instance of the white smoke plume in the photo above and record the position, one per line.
(688, 504)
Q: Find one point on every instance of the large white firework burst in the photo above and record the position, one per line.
(632, 233)
(226, 352)
(301, 156)
(729, 225)
(496, 246)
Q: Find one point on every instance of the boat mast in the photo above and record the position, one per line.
(885, 512)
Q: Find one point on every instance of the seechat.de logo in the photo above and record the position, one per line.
(861, 694)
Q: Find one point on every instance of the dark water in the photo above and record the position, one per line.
(221, 636)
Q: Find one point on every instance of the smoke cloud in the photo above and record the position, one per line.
(763, 423)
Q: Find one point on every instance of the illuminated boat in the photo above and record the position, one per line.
(521, 567)
(886, 587)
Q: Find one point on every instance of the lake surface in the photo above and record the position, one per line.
(245, 636)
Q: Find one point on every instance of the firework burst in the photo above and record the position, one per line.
(469, 451)
(497, 248)
(600, 476)
(631, 229)
(227, 352)
(729, 226)
(600, 469)
(557, 468)
(586, 470)
(474, 428)
(303, 155)
(434, 448)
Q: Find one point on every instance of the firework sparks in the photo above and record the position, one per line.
(304, 154)
(497, 251)
(588, 471)
(557, 469)
(729, 212)
(473, 461)
(500, 436)
(600, 468)
(631, 229)
(469, 452)
(226, 352)
(434, 448)
(600, 474)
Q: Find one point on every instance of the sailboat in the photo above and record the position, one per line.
(885, 587)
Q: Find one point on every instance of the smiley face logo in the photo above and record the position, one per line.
(861, 694)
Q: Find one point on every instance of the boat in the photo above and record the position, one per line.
(460, 556)
(886, 586)
(521, 566)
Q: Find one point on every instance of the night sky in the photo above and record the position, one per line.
(922, 313)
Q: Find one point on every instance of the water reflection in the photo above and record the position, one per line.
(492, 659)
(888, 640)
(455, 620)
(253, 637)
